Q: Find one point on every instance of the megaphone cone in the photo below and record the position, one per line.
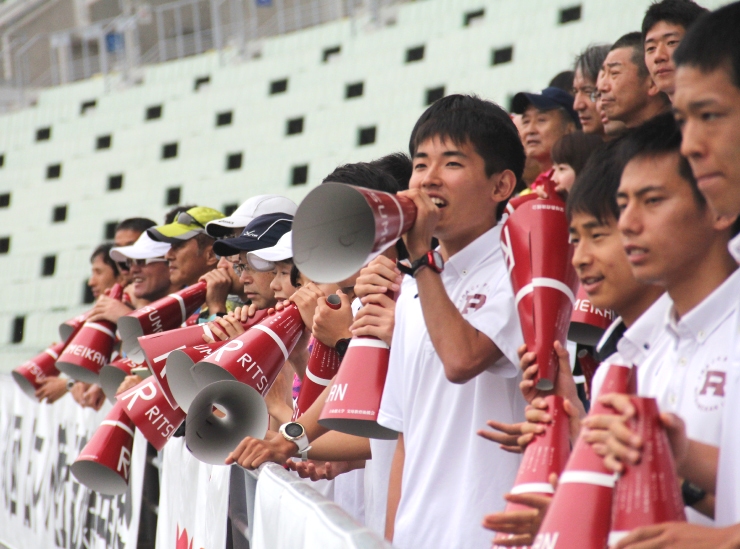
(103, 464)
(588, 323)
(112, 375)
(178, 372)
(338, 228)
(162, 315)
(586, 487)
(157, 348)
(69, 328)
(150, 411)
(534, 240)
(647, 493)
(32, 373)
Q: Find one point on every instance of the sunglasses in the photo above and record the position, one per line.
(141, 262)
(184, 218)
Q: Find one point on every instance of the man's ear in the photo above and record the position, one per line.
(211, 257)
(504, 185)
(652, 90)
(724, 222)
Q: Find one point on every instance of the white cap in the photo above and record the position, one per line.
(254, 207)
(264, 259)
(143, 248)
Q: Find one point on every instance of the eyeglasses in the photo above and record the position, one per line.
(184, 218)
(239, 268)
(594, 96)
(141, 262)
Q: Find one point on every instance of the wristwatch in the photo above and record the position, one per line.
(432, 259)
(691, 493)
(294, 432)
(70, 384)
(341, 346)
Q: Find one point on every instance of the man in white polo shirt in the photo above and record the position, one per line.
(452, 363)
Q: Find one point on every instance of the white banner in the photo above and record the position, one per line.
(193, 501)
(41, 504)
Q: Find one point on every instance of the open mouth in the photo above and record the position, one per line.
(439, 202)
(590, 282)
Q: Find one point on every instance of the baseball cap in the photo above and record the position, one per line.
(264, 259)
(262, 232)
(254, 207)
(550, 98)
(185, 226)
(143, 248)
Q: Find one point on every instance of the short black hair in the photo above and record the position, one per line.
(659, 136)
(103, 250)
(575, 148)
(633, 40)
(590, 61)
(398, 165)
(713, 42)
(563, 80)
(170, 216)
(595, 189)
(136, 224)
(676, 12)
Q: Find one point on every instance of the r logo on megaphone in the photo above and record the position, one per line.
(124, 460)
(147, 391)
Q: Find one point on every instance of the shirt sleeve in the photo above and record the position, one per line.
(391, 405)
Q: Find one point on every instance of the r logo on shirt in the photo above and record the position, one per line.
(710, 390)
(473, 302)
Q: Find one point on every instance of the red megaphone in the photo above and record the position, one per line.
(588, 323)
(146, 405)
(322, 366)
(162, 315)
(234, 378)
(647, 493)
(545, 455)
(112, 375)
(534, 240)
(338, 228)
(586, 487)
(69, 328)
(32, 373)
(588, 366)
(103, 464)
(158, 347)
(91, 348)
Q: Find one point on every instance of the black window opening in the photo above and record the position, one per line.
(19, 326)
(331, 53)
(473, 17)
(201, 82)
(568, 15)
(2, 160)
(172, 196)
(294, 126)
(169, 150)
(354, 90)
(109, 230)
(59, 214)
(299, 175)
(115, 182)
(4, 244)
(278, 86)
(234, 161)
(87, 295)
(87, 106)
(366, 136)
(43, 134)
(414, 54)
(154, 112)
(103, 142)
(502, 55)
(48, 265)
(433, 94)
(229, 209)
(5, 200)
(224, 118)
(54, 171)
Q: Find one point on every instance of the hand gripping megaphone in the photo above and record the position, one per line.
(647, 493)
(32, 373)
(586, 487)
(338, 228)
(186, 346)
(534, 240)
(162, 315)
(103, 465)
(235, 377)
(588, 323)
(90, 349)
(322, 366)
(112, 375)
(546, 454)
(146, 405)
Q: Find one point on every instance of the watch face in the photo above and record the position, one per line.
(438, 261)
(294, 430)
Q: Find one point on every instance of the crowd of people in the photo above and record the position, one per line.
(641, 139)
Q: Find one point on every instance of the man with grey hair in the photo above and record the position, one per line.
(587, 66)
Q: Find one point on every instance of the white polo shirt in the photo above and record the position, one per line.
(451, 476)
(727, 508)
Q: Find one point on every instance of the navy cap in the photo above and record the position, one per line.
(262, 232)
(550, 98)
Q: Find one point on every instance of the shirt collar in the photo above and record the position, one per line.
(707, 316)
(639, 338)
(734, 247)
(474, 253)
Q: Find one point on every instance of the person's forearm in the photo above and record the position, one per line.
(700, 466)
(336, 446)
(465, 352)
(299, 360)
(394, 488)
